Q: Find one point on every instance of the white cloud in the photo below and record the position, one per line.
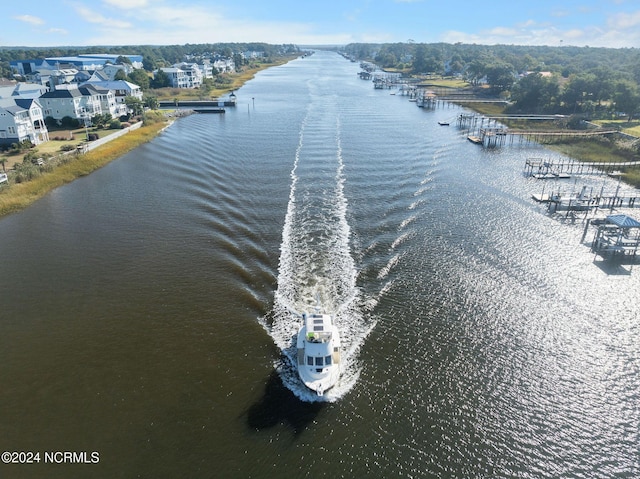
(58, 31)
(618, 31)
(30, 19)
(127, 4)
(93, 16)
(161, 24)
(623, 21)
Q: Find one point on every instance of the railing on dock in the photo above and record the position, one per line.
(539, 168)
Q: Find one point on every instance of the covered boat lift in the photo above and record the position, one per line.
(616, 235)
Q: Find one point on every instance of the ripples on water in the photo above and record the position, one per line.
(481, 338)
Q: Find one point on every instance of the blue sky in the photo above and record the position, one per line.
(597, 23)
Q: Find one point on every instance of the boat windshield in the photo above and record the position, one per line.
(319, 361)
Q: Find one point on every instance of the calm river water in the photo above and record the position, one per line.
(146, 309)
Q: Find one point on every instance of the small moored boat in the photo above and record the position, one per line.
(443, 123)
(318, 352)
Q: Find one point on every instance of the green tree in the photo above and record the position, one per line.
(500, 76)
(123, 59)
(134, 104)
(140, 78)
(151, 102)
(238, 61)
(475, 71)
(420, 59)
(626, 97)
(101, 120)
(120, 75)
(535, 94)
(160, 80)
(580, 88)
(148, 63)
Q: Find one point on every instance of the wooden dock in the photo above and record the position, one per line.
(493, 134)
(587, 199)
(538, 168)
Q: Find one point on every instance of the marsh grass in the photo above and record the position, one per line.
(64, 169)
(599, 151)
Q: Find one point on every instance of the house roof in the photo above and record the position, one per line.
(15, 105)
(114, 85)
(94, 89)
(62, 93)
(623, 221)
(26, 102)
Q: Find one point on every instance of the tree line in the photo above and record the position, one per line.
(593, 82)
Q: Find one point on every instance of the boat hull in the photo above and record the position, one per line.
(318, 344)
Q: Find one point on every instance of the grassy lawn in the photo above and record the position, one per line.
(445, 82)
(53, 146)
(630, 128)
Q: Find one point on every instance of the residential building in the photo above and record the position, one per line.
(70, 102)
(192, 72)
(86, 62)
(22, 90)
(107, 99)
(121, 89)
(110, 70)
(22, 119)
(224, 65)
(177, 77)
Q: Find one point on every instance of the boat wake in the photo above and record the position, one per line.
(316, 269)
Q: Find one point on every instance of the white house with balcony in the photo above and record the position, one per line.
(121, 90)
(70, 102)
(224, 65)
(192, 72)
(22, 119)
(177, 77)
(107, 99)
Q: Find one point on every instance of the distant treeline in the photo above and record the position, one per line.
(153, 55)
(544, 79)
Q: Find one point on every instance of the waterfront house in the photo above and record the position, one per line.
(70, 102)
(121, 89)
(106, 97)
(192, 72)
(22, 119)
(177, 77)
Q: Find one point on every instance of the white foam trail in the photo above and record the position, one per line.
(316, 264)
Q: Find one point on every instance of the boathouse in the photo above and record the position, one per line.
(617, 235)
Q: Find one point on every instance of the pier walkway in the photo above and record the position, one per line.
(542, 169)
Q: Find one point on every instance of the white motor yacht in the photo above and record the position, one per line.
(318, 352)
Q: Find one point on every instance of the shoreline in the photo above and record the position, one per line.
(16, 197)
